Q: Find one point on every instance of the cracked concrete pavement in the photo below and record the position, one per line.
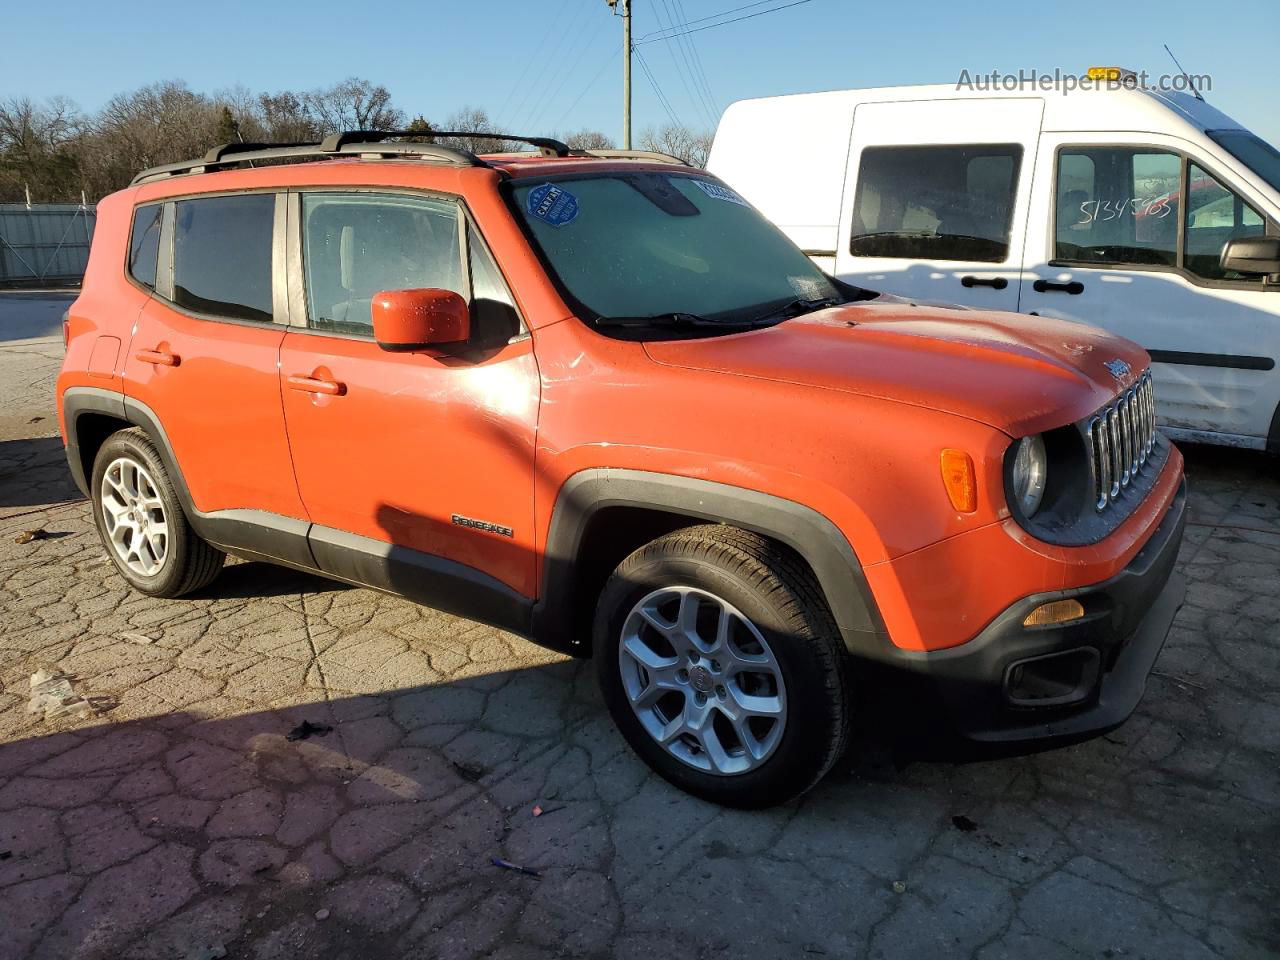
(181, 818)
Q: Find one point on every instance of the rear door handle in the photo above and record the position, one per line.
(158, 357)
(998, 283)
(1044, 286)
(330, 388)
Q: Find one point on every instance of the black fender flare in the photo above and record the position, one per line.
(803, 529)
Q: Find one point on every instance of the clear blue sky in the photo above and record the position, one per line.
(554, 65)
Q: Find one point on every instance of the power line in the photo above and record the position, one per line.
(590, 83)
(552, 62)
(722, 23)
(662, 97)
(700, 71)
(685, 71)
(533, 58)
(722, 13)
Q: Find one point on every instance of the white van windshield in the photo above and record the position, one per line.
(1251, 150)
(649, 245)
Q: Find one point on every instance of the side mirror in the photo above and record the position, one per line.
(405, 320)
(1252, 255)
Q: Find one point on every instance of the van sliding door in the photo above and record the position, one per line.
(936, 199)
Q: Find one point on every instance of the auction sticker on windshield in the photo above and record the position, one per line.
(720, 192)
(552, 204)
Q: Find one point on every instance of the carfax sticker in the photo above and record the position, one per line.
(553, 205)
(720, 192)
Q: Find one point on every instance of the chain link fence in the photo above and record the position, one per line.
(44, 244)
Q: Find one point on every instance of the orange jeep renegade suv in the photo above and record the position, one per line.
(599, 401)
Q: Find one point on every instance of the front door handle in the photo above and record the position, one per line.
(330, 388)
(160, 358)
(1044, 286)
(998, 283)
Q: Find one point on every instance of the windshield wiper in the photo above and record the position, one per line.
(794, 309)
(674, 319)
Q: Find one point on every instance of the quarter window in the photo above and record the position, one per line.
(357, 245)
(1117, 205)
(936, 202)
(222, 255)
(1215, 215)
(144, 244)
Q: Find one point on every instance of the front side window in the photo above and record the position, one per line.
(1117, 205)
(357, 245)
(1215, 216)
(144, 244)
(936, 202)
(222, 255)
(646, 245)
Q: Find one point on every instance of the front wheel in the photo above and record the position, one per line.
(722, 666)
(141, 523)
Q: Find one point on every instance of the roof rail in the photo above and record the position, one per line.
(351, 143)
(546, 145)
(651, 155)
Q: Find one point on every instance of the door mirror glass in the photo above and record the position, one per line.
(1252, 256)
(405, 320)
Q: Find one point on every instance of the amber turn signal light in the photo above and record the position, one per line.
(958, 478)
(1058, 611)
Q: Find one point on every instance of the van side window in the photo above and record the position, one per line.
(144, 244)
(1117, 206)
(1215, 215)
(936, 202)
(354, 246)
(222, 255)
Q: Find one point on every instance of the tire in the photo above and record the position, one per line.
(138, 501)
(784, 661)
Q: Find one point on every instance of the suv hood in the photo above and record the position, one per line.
(1018, 373)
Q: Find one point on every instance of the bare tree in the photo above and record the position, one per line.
(38, 149)
(587, 140)
(473, 120)
(691, 146)
(353, 104)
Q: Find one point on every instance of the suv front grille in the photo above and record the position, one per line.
(1120, 438)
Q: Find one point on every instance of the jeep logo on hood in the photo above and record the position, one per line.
(1118, 369)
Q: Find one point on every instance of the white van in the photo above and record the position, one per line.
(1066, 204)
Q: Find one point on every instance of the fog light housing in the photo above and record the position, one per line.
(1056, 611)
(1053, 680)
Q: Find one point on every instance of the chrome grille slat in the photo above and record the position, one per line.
(1120, 438)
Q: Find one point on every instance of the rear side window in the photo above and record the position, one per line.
(950, 202)
(144, 245)
(1117, 205)
(222, 255)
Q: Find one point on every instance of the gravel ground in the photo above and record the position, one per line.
(181, 818)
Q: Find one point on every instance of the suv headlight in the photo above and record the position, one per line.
(1030, 471)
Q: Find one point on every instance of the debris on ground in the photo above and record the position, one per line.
(899, 886)
(207, 953)
(542, 812)
(307, 729)
(35, 419)
(54, 695)
(963, 823)
(508, 865)
(26, 536)
(322, 914)
(5, 854)
(140, 638)
(469, 772)
(1184, 681)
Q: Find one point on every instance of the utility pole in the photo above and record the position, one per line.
(626, 68)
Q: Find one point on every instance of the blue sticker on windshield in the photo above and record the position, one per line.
(553, 205)
(720, 192)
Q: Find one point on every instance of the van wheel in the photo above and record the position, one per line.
(722, 666)
(141, 522)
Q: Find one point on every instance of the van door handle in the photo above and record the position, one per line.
(1044, 286)
(158, 357)
(998, 283)
(330, 388)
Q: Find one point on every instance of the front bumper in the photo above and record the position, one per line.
(1069, 681)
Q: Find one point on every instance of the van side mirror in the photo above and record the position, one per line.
(405, 320)
(1252, 255)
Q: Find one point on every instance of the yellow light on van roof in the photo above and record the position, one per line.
(1111, 74)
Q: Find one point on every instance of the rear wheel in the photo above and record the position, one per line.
(722, 666)
(141, 522)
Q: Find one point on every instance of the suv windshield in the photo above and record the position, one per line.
(665, 246)
(1251, 150)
